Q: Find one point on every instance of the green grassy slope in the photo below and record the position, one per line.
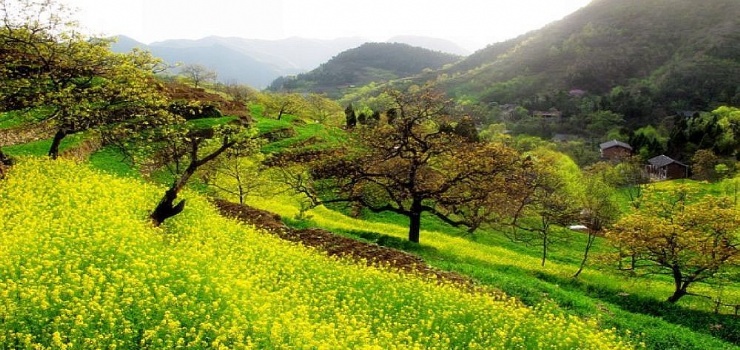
(636, 305)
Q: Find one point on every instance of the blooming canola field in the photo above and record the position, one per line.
(81, 267)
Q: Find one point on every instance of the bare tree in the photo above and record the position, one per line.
(198, 74)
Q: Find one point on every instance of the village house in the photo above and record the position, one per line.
(615, 150)
(663, 167)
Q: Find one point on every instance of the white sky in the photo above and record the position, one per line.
(472, 24)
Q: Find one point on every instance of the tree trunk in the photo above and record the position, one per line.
(677, 295)
(680, 286)
(415, 220)
(589, 243)
(4, 159)
(58, 137)
(544, 249)
(166, 207)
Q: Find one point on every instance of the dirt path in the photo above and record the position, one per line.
(335, 245)
(24, 134)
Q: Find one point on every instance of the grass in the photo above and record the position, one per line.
(305, 136)
(630, 305)
(41, 147)
(17, 118)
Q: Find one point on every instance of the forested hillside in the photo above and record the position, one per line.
(371, 62)
(663, 55)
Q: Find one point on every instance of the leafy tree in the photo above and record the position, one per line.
(648, 142)
(350, 116)
(198, 74)
(703, 164)
(600, 210)
(322, 108)
(74, 83)
(549, 197)
(236, 172)
(632, 177)
(466, 129)
(410, 167)
(280, 103)
(689, 241)
(601, 122)
(181, 147)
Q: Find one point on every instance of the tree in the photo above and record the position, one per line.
(549, 197)
(280, 103)
(236, 172)
(466, 129)
(181, 147)
(351, 118)
(632, 177)
(689, 241)
(198, 74)
(703, 163)
(601, 122)
(600, 210)
(71, 82)
(410, 167)
(322, 108)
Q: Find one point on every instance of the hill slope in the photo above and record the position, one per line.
(80, 264)
(675, 53)
(371, 62)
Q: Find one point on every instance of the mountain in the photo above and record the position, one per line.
(433, 44)
(246, 61)
(371, 62)
(644, 57)
(259, 62)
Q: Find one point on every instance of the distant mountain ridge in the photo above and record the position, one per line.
(259, 62)
(371, 62)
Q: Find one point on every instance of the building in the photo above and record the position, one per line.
(666, 168)
(615, 150)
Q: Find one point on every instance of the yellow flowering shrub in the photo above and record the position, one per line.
(81, 267)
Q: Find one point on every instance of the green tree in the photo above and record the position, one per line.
(237, 171)
(601, 122)
(72, 83)
(599, 211)
(703, 164)
(351, 118)
(181, 147)
(280, 103)
(689, 241)
(322, 108)
(410, 167)
(549, 198)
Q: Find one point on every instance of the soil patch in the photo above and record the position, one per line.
(336, 245)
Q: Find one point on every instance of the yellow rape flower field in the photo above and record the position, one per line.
(81, 267)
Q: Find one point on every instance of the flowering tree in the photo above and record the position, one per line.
(689, 241)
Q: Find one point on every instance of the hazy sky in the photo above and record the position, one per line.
(471, 23)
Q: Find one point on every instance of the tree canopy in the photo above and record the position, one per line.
(74, 83)
(413, 165)
(673, 234)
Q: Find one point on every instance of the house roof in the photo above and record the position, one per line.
(615, 143)
(663, 160)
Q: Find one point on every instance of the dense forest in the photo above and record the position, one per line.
(371, 62)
